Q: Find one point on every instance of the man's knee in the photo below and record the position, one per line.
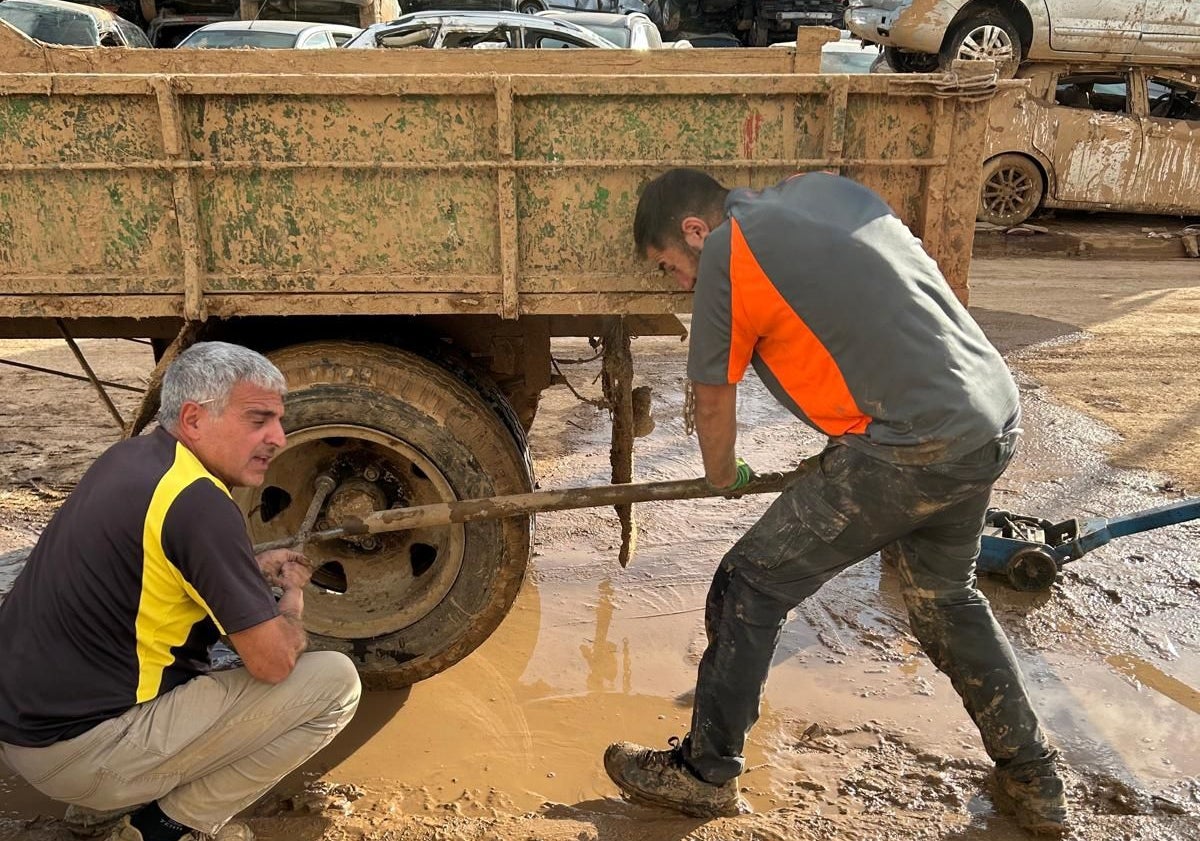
(333, 674)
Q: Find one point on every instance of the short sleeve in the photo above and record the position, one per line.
(719, 348)
(205, 537)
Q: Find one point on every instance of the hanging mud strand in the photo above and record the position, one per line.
(689, 408)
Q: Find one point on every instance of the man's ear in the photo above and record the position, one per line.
(694, 230)
(189, 419)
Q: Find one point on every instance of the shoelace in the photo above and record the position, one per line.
(661, 759)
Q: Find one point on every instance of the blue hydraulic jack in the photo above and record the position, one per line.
(1029, 551)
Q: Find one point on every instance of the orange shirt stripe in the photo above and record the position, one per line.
(806, 370)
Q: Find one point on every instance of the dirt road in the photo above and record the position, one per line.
(860, 738)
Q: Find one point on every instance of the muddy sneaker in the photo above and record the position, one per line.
(92, 823)
(1033, 795)
(124, 831)
(660, 778)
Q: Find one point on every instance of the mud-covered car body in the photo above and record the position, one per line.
(1094, 136)
(633, 31)
(1153, 31)
(70, 24)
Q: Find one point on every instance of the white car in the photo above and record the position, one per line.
(923, 35)
(270, 34)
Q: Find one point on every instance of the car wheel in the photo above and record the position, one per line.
(988, 36)
(530, 7)
(903, 61)
(1012, 189)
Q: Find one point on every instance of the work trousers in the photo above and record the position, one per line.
(843, 507)
(206, 749)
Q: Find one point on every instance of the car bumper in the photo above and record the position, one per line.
(919, 26)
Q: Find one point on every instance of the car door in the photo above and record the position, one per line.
(1109, 27)
(1093, 138)
(1171, 149)
(1171, 29)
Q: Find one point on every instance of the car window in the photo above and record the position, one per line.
(317, 41)
(1173, 100)
(230, 38)
(52, 25)
(420, 37)
(558, 41)
(1094, 92)
(132, 35)
(341, 38)
(498, 37)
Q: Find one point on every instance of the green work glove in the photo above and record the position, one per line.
(745, 474)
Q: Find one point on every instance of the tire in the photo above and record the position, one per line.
(394, 430)
(985, 35)
(530, 7)
(902, 61)
(1011, 190)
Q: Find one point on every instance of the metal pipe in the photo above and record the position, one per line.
(57, 373)
(513, 505)
(91, 375)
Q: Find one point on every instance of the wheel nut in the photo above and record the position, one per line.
(371, 474)
(369, 543)
(322, 524)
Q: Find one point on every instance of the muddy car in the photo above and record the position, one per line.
(477, 30)
(923, 35)
(1096, 138)
(70, 24)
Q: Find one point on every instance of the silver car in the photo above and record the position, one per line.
(270, 34)
(923, 35)
(477, 30)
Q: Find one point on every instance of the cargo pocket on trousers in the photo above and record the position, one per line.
(825, 521)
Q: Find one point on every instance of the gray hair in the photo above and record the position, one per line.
(207, 372)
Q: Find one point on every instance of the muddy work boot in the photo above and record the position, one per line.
(662, 778)
(83, 822)
(1033, 795)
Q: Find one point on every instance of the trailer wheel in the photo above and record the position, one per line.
(394, 429)
(1031, 570)
(1011, 190)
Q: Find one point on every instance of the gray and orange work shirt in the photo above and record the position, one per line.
(127, 589)
(848, 322)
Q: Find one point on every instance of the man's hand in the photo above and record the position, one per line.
(743, 475)
(284, 568)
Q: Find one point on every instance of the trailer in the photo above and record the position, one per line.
(403, 233)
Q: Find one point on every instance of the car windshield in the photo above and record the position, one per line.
(51, 25)
(226, 38)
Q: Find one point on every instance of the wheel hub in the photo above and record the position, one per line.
(987, 42)
(392, 579)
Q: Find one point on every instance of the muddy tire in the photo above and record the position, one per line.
(1011, 190)
(902, 61)
(985, 35)
(530, 7)
(394, 429)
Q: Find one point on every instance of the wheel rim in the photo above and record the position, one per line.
(987, 42)
(393, 579)
(1009, 192)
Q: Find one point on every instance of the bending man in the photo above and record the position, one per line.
(851, 326)
(106, 699)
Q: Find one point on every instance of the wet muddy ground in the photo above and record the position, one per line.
(860, 737)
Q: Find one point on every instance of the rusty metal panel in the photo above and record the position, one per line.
(199, 195)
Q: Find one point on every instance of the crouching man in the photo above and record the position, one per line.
(107, 701)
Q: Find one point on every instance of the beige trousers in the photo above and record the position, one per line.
(206, 750)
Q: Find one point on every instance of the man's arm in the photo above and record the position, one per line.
(716, 426)
(270, 649)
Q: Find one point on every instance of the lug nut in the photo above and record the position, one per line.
(369, 543)
(371, 474)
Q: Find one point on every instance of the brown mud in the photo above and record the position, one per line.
(860, 737)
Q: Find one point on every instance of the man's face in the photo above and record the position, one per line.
(237, 445)
(679, 260)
